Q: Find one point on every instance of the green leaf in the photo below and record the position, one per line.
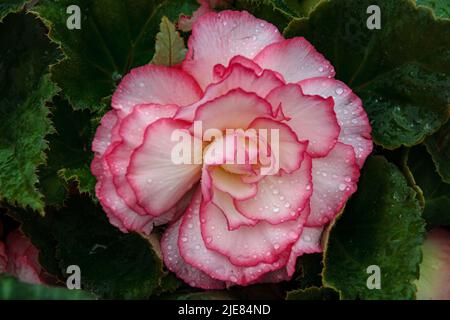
(297, 8)
(114, 265)
(169, 48)
(313, 293)
(266, 10)
(13, 289)
(380, 226)
(438, 145)
(435, 191)
(70, 154)
(24, 89)
(310, 271)
(441, 8)
(115, 36)
(401, 72)
(10, 6)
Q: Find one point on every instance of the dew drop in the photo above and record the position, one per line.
(184, 239)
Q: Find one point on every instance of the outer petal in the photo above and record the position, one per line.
(295, 59)
(280, 198)
(23, 258)
(235, 110)
(175, 263)
(132, 132)
(434, 280)
(217, 37)
(156, 180)
(235, 77)
(355, 127)
(247, 246)
(157, 85)
(194, 251)
(309, 242)
(311, 117)
(335, 179)
(119, 214)
(106, 133)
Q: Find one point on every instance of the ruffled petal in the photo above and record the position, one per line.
(235, 110)
(217, 37)
(236, 76)
(23, 258)
(232, 184)
(119, 214)
(132, 130)
(311, 117)
(335, 179)
(107, 133)
(175, 263)
(235, 219)
(194, 251)
(289, 150)
(247, 246)
(309, 242)
(352, 118)
(156, 179)
(280, 197)
(157, 85)
(295, 59)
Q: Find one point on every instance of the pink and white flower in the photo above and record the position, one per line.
(239, 227)
(435, 267)
(20, 258)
